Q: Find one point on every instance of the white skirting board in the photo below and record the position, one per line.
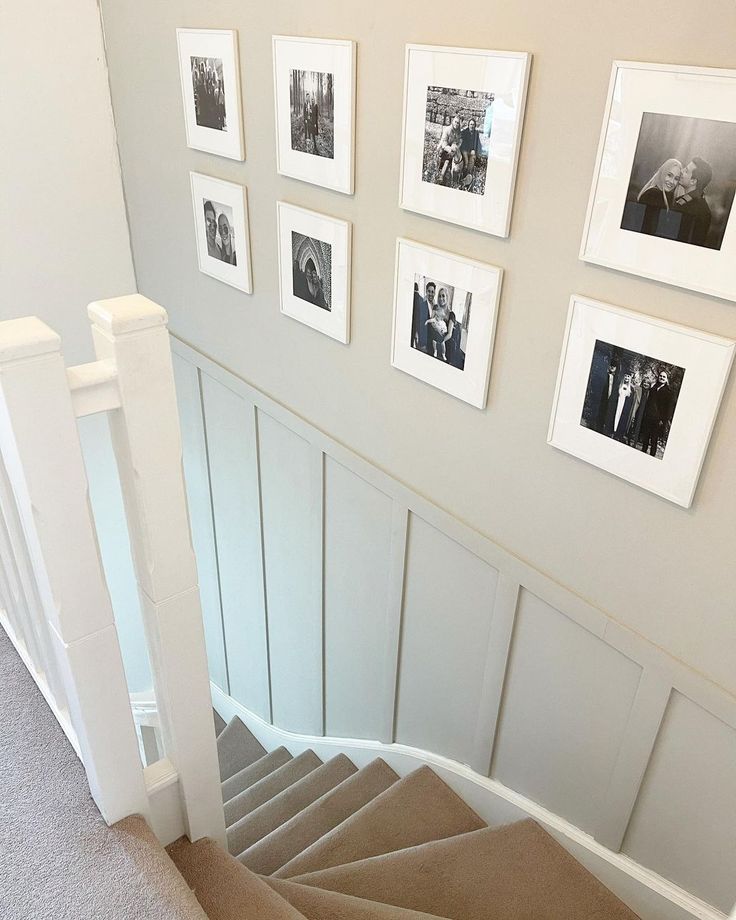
(647, 894)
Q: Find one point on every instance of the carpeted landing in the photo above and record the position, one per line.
(326, 841)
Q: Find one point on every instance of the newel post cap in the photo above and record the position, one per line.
(27, 337)
(122, 315)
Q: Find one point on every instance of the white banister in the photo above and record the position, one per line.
(130, 333)
(40, 446)
(93, 387)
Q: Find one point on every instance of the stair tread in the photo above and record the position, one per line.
(318, 904)
(225, 888)
(259, 793)
(250, 775)
(237, 747)
(284, 806)
(416, 809)
(219, 722)
(284, 843)
(516, 872)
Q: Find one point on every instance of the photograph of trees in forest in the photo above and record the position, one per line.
(312, 102)
(457, 133)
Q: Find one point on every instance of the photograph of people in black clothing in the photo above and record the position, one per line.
(682, 180)
(440, 320)
(457, 132)
(312, 101)
(209, 93)
(311, 270)
(219, 231)
(631, 398)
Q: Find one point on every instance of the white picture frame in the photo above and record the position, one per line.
(229, 204)
(589, 413)
(314, 269)
(659, 113)
(213, 123)
(487, 85)
(472, 292)
(325, 69)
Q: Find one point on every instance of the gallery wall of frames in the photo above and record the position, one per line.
(635, 396)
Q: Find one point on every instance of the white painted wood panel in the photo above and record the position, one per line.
(684, 822)
(565, 707)
(233, 463)
(194, 448)
(291, 504)
(356, 585)
(448, 601)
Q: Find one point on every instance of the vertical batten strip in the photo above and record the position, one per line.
(317, 567)
(642, 728)
(394, 610)
(257, 443)
(503, 617)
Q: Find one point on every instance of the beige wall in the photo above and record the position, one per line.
(63, 237)
(666, 572)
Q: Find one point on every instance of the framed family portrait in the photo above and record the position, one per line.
(463, 115)
(445, 309)
(210, 86)
(314, 89)
(221, 228)
(665, 176)
(638, 396)
(314, 269)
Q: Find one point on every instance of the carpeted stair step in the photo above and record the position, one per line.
(294, 836)
(225, 888)
(256, 825)
(265, 789)
(219, 722)
(249, 776)
(237, 748)
(516, 872)
(418, 808)
(317, 904)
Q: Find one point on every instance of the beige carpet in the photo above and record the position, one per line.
(58, 858)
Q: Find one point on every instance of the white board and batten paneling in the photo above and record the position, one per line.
(356, 609)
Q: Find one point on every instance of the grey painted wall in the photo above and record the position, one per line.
(665, 572)
(388, 619)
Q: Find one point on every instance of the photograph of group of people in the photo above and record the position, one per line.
(456, 136)
(682, 180)
(311, 270)
(440, 320)
(209, 93)
(311, 95)
(631, 398)
(219, 232)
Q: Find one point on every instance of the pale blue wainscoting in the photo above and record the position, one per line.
(339, 602)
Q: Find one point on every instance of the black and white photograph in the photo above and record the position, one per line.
(311, 270)
(457, 134)
(631, 398)
(218, 220)
(314, 269)
(463, 119)
(209, 72)
(682, 180)
(638, 396)
(445, 311)
(208, 86)
(441, 320)
(665, 177)
(221, 230)
(314, 95)
(312, 99)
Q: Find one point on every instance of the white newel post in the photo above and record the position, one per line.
(131, 332)
(40, 445)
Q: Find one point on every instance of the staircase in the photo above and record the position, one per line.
(327, 841)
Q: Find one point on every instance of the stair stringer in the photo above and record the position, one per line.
(648, 894)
